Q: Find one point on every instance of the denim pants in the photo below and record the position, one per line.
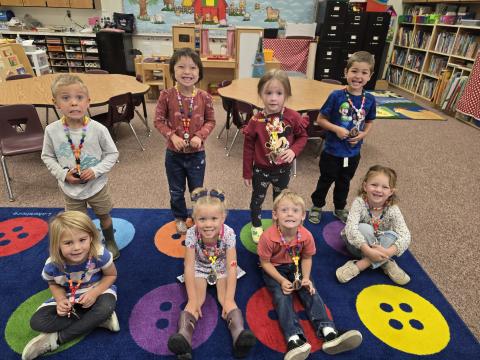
(288, 319)
(189, 167)
(385, 239)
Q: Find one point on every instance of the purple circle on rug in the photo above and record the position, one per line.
(155, 317)
(331, 234)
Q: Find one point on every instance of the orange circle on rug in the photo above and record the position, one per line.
(262, 320)
(169, 242)
(19, 234)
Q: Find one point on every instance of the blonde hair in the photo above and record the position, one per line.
(361, 56)
(291, 196)
(203, 197)
(66, 80)
(275, 74)
(65, 222)
(392, 181)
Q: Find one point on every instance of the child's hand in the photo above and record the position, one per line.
(247, 182)
(227, 307)
(72, 179)
(287, 287)
(87, 299)
(195, 142)
(194, 309)
(63, 307)
(309, 285)
(356, 139)
(87, 175)
(178, 142)
(342, 133)
(287, 156)
(375, 254)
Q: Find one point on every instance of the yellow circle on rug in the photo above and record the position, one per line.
(403, 319)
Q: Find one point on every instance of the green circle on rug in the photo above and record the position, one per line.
(246, 235)
(18, 331)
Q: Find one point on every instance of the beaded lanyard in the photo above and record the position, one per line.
(375, 221)
(186, 119)
(358, 112)
(76, 151)
(216, 252)
(294, 253)
(74, 288)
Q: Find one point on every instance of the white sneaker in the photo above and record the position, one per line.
(41, 344)
(256, 233)
(111, 323)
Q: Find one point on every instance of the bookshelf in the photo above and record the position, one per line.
(432, 46)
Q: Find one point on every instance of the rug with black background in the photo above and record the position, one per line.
(410, 322)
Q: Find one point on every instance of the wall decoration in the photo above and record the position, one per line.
(157, 16)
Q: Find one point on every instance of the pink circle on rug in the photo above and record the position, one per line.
(155, 317)
(331, 234)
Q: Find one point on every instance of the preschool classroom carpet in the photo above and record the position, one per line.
(396, 322)
(393, 106)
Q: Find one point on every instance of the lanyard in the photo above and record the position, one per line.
(76, 151)
(293, 251)
(186, 119)
(358, 112)
(212, 256)
(74, 288)
(375, 221)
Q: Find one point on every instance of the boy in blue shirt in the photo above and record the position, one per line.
(347, 115)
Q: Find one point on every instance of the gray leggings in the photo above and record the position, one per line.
(386, 239)
(47, 320)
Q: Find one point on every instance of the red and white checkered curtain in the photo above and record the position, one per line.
(292, 53)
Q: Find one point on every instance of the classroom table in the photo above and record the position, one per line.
(36, 90)
(307, 94)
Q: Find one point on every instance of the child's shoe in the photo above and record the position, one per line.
(111, 323)
(297, 349)
(395, 273)
(181, 226)
(256, 233)
(341, 214)
(347, 272)
(180, 343)
(243, 340)
(315, 215)
(336, 343)
(41, 344)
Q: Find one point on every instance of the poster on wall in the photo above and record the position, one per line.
(157, 16)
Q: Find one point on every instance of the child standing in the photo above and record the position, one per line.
(80, 274)
(210, 258)
(285, 250)
(273, 138)
(376, 230)
(347, 115)
(80, 152)
(184, 116)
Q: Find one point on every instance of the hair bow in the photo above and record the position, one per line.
(212, 193)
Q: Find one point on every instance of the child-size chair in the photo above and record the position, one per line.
(241, 114)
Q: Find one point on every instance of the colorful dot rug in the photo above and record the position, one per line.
(410, 322)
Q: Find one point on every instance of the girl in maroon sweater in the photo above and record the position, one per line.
(273, 138)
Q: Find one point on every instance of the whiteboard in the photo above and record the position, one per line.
(247, 49)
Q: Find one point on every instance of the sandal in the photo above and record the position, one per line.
(315, 215)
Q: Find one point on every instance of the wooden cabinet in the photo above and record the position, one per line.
(82, 4)
(58, 3)
(37, 3)
(11, 2)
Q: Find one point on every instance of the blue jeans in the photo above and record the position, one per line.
(288, 319)
(189, 167)
(385, 239)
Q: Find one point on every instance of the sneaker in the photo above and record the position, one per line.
(315, 215)
(297, 350)
(41, 344)
(342, 342)
(395, 273)
(181, 226)
(111, 323)
(341, 214)
(256, 233)
(347, 272)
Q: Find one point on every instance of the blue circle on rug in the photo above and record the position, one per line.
(124, 231)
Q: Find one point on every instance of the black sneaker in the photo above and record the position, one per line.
(341, 342)
(341, 214)
(297, 350)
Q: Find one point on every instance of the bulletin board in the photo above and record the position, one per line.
(157, 16)
(13, 61)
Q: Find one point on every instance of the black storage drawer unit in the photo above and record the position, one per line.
(327, 72)
(378, 21)
(356, 22)
(336, 11)
(353, 39)
(332, 32)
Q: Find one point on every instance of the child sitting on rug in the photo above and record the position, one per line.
(80, 273)
(185, 117)
(273, 138)
(285, 250)
(375, 230)
(348, 116)
(79, 152)
(210, 258)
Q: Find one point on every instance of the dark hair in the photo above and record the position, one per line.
(361, 56)
(275, 74)
(392, 181)
(185, 52)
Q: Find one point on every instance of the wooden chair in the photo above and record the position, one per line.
(14, 142)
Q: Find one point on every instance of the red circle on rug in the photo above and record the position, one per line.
(259, 315)
(169, 242)
(21, 233)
